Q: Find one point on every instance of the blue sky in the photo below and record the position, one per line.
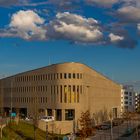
(104, 34)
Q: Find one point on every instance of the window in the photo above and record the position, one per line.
(65, 94)
(60, 75)
(77, 94)
(65, 75)
(69, 98)
(73, 75)
(77, 75)
(126, 93)
(73, 88)
(130, 93)
(126, 97)
(80, 76)
(69, 75)
(74, 93)
(126, 102)
(58, 114)
(61, 94)
(69, 114)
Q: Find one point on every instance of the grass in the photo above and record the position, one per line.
(24, 131)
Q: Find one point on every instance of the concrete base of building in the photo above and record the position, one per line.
(56, 127)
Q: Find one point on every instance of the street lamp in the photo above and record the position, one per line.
(111, 119)
(47, 131)
(111, 129)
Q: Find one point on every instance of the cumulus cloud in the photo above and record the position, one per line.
(75, 28)
(127, 42)
(138, 3)
(68, 26)
(138, 26)
(8, 2)
(30, 26)
(104, 3)
(129, 14)
(27, 25)
(64, 4)
(122, 38)
(110, 3)
(115, 38)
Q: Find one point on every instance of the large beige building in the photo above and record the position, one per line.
(63, 90)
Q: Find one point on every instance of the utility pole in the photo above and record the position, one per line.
(111, 121)
(111, 129)
(47, 131)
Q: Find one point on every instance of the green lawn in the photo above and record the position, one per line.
(24, 131)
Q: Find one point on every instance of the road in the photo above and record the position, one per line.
(117, 132)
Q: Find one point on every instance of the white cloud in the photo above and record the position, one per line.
(115, 38)
(74, 18)
(74, 27)
(129, 13)
(104, 3)
(138, 3)
(27, 24)
(8, 2)
(138, 26)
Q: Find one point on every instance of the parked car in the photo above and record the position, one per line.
(27, 119)
(117, 121)
(105, 125)
(98, 127)
(47, 118)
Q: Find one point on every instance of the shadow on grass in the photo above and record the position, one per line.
(23, 136)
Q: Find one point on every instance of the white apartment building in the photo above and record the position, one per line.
(127, 98)
(137, 100)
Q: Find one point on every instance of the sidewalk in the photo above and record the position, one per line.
(118, 131)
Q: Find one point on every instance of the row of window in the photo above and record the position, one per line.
(50, 76)
(57, 93)
(27, 89)
(69, 114)
(27, 99)
(126, 102)
(68, 93)
(126, 98)
(128, 93)
(53, 89)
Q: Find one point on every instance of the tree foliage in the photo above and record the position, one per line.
(85, 124)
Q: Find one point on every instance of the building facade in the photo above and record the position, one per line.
(127, 98)
(62, 90)
(137, 101)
